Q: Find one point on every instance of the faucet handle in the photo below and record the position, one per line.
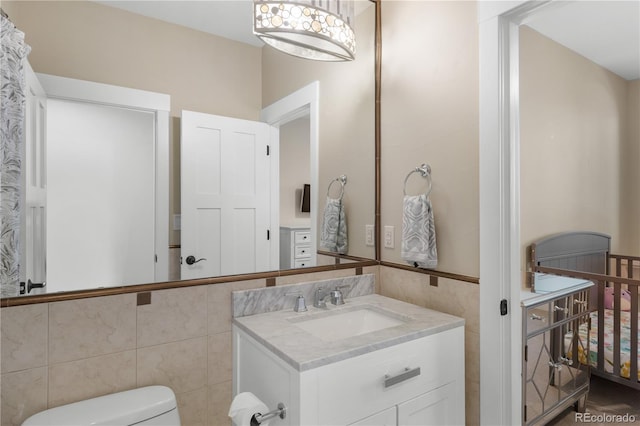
(301, 305)
(337, 298)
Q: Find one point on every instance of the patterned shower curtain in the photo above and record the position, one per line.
(12, 106)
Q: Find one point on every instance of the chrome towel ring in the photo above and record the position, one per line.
(342, 180)
(425, 172)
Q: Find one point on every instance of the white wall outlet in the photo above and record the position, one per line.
(369, 238)
(389, 237)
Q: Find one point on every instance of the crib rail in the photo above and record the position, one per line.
(618, 283)
(625, 266)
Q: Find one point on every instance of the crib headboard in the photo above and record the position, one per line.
(576, 251)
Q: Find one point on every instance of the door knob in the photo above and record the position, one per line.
(192, 259)
(25, 288)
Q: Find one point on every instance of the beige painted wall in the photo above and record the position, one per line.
(430, 113)
(573, 127)
(294, 171)
(631, 174)
(346, 122)
(89, 41)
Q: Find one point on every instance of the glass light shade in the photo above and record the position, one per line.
(317, 29)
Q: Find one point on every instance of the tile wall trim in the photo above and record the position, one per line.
(433, 272)
(83, 294)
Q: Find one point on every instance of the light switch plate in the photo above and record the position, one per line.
(389, 236)
(369, 238)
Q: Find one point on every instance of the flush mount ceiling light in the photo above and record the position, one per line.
(312, 29)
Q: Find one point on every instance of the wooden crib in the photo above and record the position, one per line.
(612, 331)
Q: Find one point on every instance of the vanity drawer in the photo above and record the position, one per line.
(350, 390)
(302, 252)
(302, 237)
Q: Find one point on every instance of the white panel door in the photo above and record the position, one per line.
(33, 238)
(438, 407)
(226, 195)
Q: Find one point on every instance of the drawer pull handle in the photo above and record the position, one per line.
(580, 302)
(537, 317)
(555, 365)
(565, 360)
(405, 375)
(560, 308)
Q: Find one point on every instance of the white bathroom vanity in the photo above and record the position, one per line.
(372, 361)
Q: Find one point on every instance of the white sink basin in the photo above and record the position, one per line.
(342, 324)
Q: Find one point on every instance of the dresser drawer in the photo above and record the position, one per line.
(302, 237)
(547, 314)
(302, 252)
(302, 263)
(538, 318)
(352, 389)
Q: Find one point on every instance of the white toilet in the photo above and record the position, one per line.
(148, 406)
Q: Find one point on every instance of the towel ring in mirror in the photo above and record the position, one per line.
(343, 181)
(425, 172)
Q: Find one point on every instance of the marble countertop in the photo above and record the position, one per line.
(303, 351)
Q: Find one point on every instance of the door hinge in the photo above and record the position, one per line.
(526, 353)
(525, 412)
(268, 234)
(156, 258)
(503, 307)
(268, 150)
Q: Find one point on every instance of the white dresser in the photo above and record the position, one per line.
(295, 247)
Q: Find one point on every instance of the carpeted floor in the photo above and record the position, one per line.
(606, 398)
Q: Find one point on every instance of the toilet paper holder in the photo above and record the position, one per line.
(258, 418)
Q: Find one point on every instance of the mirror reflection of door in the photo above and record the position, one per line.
(295, 173)
(226, 193)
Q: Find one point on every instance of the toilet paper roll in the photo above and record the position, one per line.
(244, 406)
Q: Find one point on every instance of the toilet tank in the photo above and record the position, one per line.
(152, 405)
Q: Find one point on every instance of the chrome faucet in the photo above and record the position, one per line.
(336, 297)
(320, 300)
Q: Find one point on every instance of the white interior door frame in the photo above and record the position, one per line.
(500, 263)
(160, 105)
(34, 183)
(302, 102)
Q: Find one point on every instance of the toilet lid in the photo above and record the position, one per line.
(123, 408)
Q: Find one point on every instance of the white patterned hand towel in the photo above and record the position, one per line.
(418, 232)
(333, 236)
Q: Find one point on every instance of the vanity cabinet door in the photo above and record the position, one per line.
(438, 407)
(388, 417)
